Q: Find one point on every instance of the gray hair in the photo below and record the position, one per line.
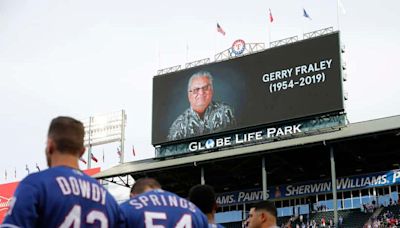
(201, 74)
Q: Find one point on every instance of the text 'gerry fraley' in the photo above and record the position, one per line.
(298, 70)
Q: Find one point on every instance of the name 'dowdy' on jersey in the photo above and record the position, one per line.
(82, 188)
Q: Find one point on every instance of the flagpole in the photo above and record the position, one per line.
(269, 35)
(337, 14)
(158, 55)
(215, 42)
(303, 23)
(90, 156)
(187, 51)
(271, 20)
(89, 161)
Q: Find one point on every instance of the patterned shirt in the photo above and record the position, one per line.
(217, 117)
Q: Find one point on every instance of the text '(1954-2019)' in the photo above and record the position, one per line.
(299, 76)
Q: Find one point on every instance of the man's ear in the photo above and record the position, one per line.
(82, 151)
(215, 206)
(50, 147)
(263, 216)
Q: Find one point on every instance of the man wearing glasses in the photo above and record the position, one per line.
(204, 115)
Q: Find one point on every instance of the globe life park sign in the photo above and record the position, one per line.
(246, 137)
(267, 134)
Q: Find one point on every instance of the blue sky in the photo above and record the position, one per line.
(82, 58)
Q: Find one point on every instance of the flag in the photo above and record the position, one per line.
(133, 151)
(83, 160)
(271, 19)
(118, 151)
(341, 6)
(5, 174)
(93, 157)
(305, 14)
(26, 168)
(37, 167)
(220, 30)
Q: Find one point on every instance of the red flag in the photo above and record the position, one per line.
(220, 30)
(93, 157)
(133, 151)
(83, 160)
(271, 19)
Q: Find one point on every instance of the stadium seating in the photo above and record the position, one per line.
(282, 220)
(395, 209)
(351, 218)
(232, 225)
(388, 215)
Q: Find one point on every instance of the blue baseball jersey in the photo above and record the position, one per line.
(159, 208)
(215, 226)
(62, 197)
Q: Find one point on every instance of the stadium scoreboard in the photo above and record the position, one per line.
(270, 93)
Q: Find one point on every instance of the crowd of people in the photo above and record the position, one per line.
(299, 222)
(388, 218)
(63, 196)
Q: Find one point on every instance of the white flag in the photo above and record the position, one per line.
(341, 6)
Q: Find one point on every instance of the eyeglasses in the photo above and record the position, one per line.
(205, 88)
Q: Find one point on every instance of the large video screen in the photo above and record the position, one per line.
(293, 81)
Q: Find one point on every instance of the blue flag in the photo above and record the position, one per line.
(305, 14)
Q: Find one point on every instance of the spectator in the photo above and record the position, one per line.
(323, 222)
(203, 196)
(340, 221)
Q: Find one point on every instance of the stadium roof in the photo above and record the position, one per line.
(359, 148)
(360, 129)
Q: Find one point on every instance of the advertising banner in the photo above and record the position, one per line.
(379, 179)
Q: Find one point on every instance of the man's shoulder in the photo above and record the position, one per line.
(36, 178)
(59, 173)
